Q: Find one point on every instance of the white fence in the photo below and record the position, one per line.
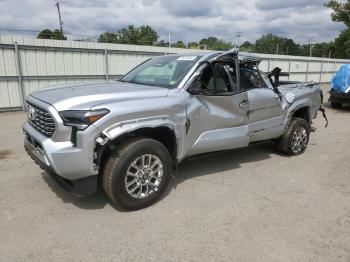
(27, 64)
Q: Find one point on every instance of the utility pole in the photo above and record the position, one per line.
(277, 49)
(237, 36)
(329, 54)
(310, 43)
(169, 42)
(59, 17)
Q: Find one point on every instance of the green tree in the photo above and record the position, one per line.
(143, 35)
(214, 43)
(192, 45)
(179, 44)
(45, 34)
(162, 43)
(108, 37)
(341, 46)
(147, 36)
(48, 34)
(273, 44)
(247, 47)
(341, 11)
(341, 14)
(56, 34)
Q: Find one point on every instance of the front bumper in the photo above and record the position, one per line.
(339, 97)
(71, 164)
(80, 187)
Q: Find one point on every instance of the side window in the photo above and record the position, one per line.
(218, 79)
(207, 79)
(250, 78)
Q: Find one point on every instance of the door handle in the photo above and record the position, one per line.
(244, 103)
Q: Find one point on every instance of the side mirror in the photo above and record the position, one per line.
(196, 87)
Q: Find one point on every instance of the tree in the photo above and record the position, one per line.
(341, 11)
(147, 36)
(341, 46)
(108, 37)
(45, 34)
(162, 43)
(192, 45)
(247, 47)
(341, 14)
(215, 44)
(143, 35)
(273, 44)
(48, 34)
(179, 44)
(56, 34)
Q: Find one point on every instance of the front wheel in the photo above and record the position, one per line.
(296, 138)
(136, 175)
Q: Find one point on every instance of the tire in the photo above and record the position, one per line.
(127, 165)
(296, 138)
(336, 105)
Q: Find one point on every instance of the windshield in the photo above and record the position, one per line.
(164, 71)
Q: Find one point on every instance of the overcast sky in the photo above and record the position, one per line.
(188, 20)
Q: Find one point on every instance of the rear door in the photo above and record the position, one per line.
(217, 117)
(265, 112)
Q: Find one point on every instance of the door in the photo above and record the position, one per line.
(217, 115)
(265, 112)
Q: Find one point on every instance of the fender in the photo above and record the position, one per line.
(305, 102)
(124, 127)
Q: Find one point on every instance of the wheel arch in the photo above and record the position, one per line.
(163, 134)
(302, 109)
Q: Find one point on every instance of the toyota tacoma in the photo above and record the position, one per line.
(128, 135)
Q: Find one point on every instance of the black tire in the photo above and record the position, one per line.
(285, 143)
(114, 173)
(336, 105)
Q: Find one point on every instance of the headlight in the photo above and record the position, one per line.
(81, 119)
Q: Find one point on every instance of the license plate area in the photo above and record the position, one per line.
(32, 140)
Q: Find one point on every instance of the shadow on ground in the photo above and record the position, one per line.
(199, 166)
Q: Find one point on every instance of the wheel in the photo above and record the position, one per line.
(136, 175)
(336, 105)
(296, 138)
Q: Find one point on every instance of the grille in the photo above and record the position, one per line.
(40, 119)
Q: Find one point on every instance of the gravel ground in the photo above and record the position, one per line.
(244, 205)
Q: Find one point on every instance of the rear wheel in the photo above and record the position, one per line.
(296, 138)
(136, 175)
(336, 105)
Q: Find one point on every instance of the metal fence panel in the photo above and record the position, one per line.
(37, 63)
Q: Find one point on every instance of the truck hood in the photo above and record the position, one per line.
(83, 96)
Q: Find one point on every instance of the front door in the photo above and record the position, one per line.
(217, 117)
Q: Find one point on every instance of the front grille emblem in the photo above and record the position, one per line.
(31, 113)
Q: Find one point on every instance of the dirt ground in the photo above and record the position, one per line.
(244, 205)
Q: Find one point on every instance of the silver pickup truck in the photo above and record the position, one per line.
(129, 135)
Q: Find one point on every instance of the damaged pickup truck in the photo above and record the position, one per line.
(127, 135)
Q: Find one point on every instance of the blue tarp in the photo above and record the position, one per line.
(341, 80)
